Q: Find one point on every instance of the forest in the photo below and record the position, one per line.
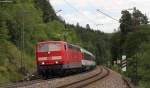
(23, 23)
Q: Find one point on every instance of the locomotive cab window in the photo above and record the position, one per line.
(49, 47)
(42, 47)
(54, 47)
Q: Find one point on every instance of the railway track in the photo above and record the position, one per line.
(103, 72)
(30, 82)
(87, 81)
(27, 83)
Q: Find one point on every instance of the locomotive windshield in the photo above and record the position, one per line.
(42, 47)
(49, 47)
(54, 47)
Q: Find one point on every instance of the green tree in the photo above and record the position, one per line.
(138, 17)
(115, 46)
(88, 27)
(48, 13)
(125, 22)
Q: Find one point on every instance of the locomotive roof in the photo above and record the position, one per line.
(49, 41)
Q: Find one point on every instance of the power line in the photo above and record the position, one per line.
(98, 10)
(79, 12)
(101, 12)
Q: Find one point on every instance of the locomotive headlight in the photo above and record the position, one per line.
(56, 57)
(56, 62)
(43, 63)
(42, 58)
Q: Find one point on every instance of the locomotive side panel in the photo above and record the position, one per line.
(74, 57)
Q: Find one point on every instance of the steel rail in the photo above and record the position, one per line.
(27, 83)
(87, 81)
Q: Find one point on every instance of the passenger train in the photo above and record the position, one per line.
(59, 56)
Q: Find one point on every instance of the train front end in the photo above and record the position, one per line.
(49, 56)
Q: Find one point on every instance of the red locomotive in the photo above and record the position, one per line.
(58, 56)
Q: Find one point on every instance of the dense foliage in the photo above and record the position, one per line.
(23, 23)
(133, 40)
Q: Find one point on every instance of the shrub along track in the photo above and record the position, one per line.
(21, 84)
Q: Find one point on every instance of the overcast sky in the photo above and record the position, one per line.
(84, 11)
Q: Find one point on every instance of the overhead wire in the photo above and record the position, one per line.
(98, 10)
(107, 15)
(102, 12)
(82, 14)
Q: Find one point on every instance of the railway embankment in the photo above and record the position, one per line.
(100, 77)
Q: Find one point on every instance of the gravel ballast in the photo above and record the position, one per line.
(62, 81)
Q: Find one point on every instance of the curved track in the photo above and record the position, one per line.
(103, 72)
(87, 81)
